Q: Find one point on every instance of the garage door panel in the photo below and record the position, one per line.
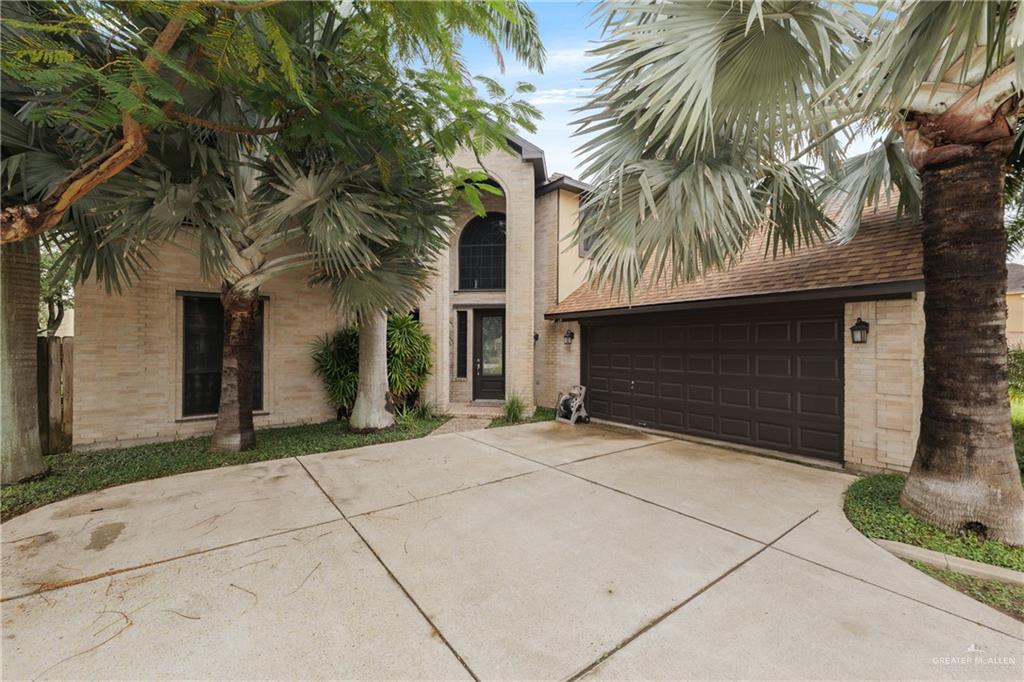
(736, 428)
(773, 332)
(700, 394)
(770, 377)
(736, 365)
(671, 419)
(817, 330)
(700, 363)
(670, 362)
(644, 361)
(774, 400)
(619, 385)
(825, 443)
(734, 333)
(779, 435)
(817, 367)
(670, 390)
(773, 366)
(701, 422)
(621, 361)
(819, 405)
(646, 414)
(734, 397)
(645, 389)
(621, 409)
(700, 333)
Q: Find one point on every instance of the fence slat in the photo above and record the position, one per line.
(67, 365)
(53, 391)
(54, 368)
(42, 391)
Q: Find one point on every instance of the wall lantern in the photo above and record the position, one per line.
(568, 337)
(859, 331)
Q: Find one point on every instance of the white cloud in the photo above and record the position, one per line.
(559, 96)
(569, 59)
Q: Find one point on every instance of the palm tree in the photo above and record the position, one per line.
(715, 120)
(208, 75)
(19, 411)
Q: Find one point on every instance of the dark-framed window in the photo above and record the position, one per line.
(482, 253)
(203, 340)
(586, 243)
(460, 344)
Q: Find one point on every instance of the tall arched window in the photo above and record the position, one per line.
(482, 253)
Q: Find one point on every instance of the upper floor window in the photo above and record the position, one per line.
(586, 243)
(482, 253)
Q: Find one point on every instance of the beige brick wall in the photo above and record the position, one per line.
(556, 366)
(883, 384)
(128, 355)
(437, 310)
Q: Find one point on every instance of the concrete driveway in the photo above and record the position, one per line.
(541, 551)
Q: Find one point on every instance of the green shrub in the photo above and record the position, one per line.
(513, 409)
(1015, 363)
(336, 361)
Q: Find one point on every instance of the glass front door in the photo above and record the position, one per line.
(488, 354)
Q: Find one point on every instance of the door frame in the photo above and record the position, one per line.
(477, 357)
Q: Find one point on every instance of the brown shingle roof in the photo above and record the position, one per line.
(886, 249)
(1014, 277)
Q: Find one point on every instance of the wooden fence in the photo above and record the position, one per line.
(54, 362)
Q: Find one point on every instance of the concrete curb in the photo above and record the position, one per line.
(952, 563)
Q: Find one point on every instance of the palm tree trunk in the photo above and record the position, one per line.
(964, 475)
(21, 456)
(234, 431)
(373, 409)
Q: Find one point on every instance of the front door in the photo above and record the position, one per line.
(488, 354)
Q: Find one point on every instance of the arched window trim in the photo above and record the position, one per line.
(482, 257)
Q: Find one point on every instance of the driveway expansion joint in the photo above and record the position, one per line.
(394, 578)
(659, 619)
(617, 490)
(898, 594)
(444, 494)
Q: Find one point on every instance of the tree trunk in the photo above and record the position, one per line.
(234, 431)
(965, 475)
(21, 456)
(373, 409)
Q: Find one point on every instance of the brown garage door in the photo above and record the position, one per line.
(770, 376)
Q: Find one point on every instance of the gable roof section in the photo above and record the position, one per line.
(560, 181)
(1014, 278)
(883, 259)
(532, 154)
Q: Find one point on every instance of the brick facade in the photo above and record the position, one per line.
(884, 378)
(128, 355)
(556, 365)
(128, 365)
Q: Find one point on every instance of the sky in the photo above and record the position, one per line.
(568, 31)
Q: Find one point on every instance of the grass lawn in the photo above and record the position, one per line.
(74, 473)
(1007, 598)
(541, 414)
(873, 507)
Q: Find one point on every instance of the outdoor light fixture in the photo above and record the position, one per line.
(859, 331)
(568, 337)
